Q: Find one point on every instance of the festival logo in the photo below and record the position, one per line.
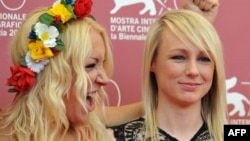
(12, 6)
(150, 6)
(10, 17)
(128, 26)
(239, 102)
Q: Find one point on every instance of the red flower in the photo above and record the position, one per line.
(55, 51)
(57, 19)
(22, 79)
(82, 8)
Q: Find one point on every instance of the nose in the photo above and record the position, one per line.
(192, 69)
(102, 78)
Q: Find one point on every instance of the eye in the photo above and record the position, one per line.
(90, 66)
(178, 57)
(204, 59)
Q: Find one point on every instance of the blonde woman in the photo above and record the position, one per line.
(62, 59)
(183, 82)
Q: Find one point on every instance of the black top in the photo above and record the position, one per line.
(135, 131)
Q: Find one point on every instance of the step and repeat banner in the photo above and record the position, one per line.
(127, 23)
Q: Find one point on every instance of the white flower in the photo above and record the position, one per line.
(47, 34)
(35, 66)
(57, 2)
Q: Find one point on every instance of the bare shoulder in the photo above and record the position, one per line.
(6, 138)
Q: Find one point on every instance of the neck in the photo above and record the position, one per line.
(181, 122)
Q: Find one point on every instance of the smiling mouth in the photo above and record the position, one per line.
(190, 86)
(90, 102)
(89, 98)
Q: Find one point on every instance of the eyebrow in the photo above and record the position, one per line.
(96, 59)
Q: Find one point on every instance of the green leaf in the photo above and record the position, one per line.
(59, 44)
(12, 90)
(22, 61)
(63, 2)
(46, 19)
(71, 10)
(59, 26)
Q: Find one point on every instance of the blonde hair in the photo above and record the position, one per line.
(40, 114)
(192, 26)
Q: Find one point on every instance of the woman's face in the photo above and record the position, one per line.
(94, 68)
(184, 73)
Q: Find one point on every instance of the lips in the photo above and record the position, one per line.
(190, 86)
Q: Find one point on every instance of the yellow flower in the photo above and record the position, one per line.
(62, 11)
(38, 51)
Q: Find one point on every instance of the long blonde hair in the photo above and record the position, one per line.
(40, 114)
(194, 27)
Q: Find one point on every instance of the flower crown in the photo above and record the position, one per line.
(44, 42)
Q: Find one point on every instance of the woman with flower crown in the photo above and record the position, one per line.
(58, 73)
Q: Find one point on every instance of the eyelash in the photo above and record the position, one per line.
(205, 59)
(93, 65)
(90, 66)
(179, 57)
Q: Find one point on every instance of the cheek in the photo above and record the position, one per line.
(207, 73)
(167, 69)
(207, 76)
(69, 108)
(74, 111)
(173, 70)
(168, 72)
(92, 75)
